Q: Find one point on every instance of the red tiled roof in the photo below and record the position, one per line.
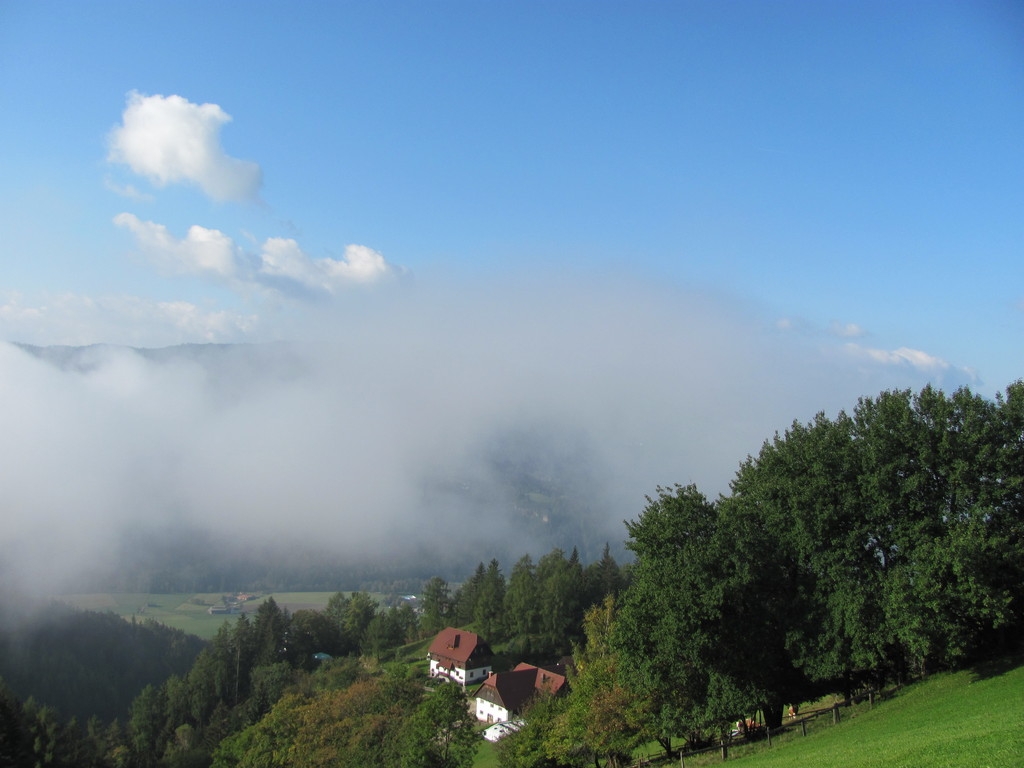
(514, 689)
(457, 645)
(548, 679)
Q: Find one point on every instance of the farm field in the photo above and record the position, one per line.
(188, 611)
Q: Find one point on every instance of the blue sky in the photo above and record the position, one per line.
(853, 166)
(652, 233)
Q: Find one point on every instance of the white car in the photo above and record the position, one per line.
(496, 731)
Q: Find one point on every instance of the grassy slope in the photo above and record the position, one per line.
(970, 719)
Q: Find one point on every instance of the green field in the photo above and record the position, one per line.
(970, 719)
(188, 612)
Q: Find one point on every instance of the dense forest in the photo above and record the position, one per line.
(87, 664)
(851, 551)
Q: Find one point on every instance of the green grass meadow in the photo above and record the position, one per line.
(969, 719)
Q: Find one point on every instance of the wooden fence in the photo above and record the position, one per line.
(800, 721)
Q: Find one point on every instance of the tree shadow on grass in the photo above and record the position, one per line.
(995, 667)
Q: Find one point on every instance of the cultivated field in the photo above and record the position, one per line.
(188, 612)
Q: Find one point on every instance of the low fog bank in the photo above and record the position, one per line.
(397, 429)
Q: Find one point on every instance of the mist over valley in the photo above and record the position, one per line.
(421, 436)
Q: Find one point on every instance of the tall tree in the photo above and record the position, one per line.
(387, 630)
(147, 725)
(561, 592)
(890, 530)
(361, 610)
(665, 632)
(601, 716)
(603, 577)
(271, 630)
(468, 594)
(797, 513)
(489, 609)
(437, 606)
(522, 602)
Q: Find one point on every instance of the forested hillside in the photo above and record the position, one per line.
(181, 716)
(90, 664)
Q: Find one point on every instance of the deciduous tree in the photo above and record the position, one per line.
(441, 733)
(601, 716)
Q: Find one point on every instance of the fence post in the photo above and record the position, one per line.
(768, 733)
(835, 714)
(803, 727)
(725, 750)
(871, 700)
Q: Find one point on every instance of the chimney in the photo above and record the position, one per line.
(456, 645)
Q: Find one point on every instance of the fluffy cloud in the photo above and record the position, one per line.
(282, 258)
(916, 362)
(168, 139)
(915, 358)
(283, 266)
(202, 251)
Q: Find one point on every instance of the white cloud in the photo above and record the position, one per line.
(168, 139)
(201, 251)
(282, 263)
(283, 258)
(77, 320)
(195, 323)
(360, 265)
(915, 358)
(916, 362)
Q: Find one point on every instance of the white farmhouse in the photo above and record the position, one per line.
(459, 656)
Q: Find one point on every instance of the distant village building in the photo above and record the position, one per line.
(504, 695)
(459, 656)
